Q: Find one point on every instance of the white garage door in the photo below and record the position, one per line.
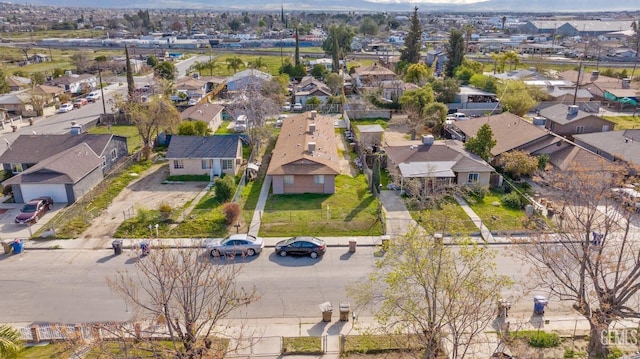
(55, 191)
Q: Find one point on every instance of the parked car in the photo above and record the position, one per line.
(280, 119)
(65, 107)
(241, 124)
(235, 244)
(93, 96)
(33, 210)
(302, 246)
(286, 107)
(458, 116)
(297, 106)
(80, 102)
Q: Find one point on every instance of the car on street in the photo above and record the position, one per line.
(301, 246)
(33, 210)
(235, 244)
(65, 107)
(93, 96)
(297, 106)
(80, 102)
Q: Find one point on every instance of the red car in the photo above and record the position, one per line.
(33, 210)
(80, 102)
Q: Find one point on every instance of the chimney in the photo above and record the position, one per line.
(594, 75)
(312, 128)
(314, 113)
(573, 110)
(626, 83)
(427, 140)
(311, 146)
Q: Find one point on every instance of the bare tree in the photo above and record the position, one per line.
(435, 290)
(186, 294)
(594, 261)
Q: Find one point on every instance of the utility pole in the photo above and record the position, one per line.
(575, 93)
(104, 106)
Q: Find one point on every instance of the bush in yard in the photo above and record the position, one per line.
(165, 209)
(224, 188)
(231, 212)
(512, 200)
(537, 339)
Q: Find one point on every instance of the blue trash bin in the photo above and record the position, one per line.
(539, 302)
(145, 247)
(17, 246)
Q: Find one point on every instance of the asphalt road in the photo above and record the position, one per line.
(69, 285)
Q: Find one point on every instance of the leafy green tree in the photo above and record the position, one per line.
(335, 82)
(165, 70)
(482, 143)
(318, 71)
(234, 63)
(10, 342)
(194, 128)
(340, 38)
(464, 74)
(58, 72)
(414, 103)
(413, 41)
(436, 115)
(313, 102)
(425, 286)
(484, 82)
(152, 60)
(518, 163)
(445, 90)
(368, 27)
(417, 74)
(455, 52)
(4, 85)
(224, 189)
(515, 97)
(37, 78)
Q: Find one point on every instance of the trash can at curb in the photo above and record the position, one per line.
(17, 246)
(352, 246)
(344, 311)
(6, 245)
(145, 247)
(327, 311)
(117, 246)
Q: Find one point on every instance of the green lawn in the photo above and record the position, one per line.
(498, 218)
(300, 345)
(458, 218)
(134, 140)
(370, 121)
(51, 351)
(625, 122)
(350, 211)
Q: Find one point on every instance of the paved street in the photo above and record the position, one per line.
(69, 285)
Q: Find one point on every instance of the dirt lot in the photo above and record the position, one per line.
(147, 192)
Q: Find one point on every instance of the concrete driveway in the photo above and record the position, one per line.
(10, 231)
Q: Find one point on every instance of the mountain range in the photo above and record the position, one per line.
(548, 6)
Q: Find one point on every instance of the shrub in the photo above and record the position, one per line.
(231, 212)
(512, 200)
(538, 339)
(615, 353)
(224, 188)
(165, 209)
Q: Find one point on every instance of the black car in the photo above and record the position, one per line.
(301, 246)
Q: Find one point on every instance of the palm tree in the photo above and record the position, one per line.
(259, 63)
(234, 63)
(504, 20)
(209, 65)
(10, 342)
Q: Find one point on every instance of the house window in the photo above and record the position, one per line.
(104, 161)
(473, 177)
(579, 129)
(114, 154)
(318, 179)
(178, 164)
(16, 167)
(227, 164)
(207, 164)
(288, 179)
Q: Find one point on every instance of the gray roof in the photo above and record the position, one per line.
(560, 114)
(582, 93)
(67, 167)
(220, 146)
(623, 144)
(35, 148)
(370, 128)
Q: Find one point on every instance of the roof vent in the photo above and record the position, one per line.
(314, 114)
(312, 127)
(573, 110)
(595, 74)
(428, 140)
(626, 83)
(311, 147)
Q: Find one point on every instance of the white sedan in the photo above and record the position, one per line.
(66, 107)
(235, 244)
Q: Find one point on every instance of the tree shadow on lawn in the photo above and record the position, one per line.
(354, 212)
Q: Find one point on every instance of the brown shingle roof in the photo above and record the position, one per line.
(201, 112)
(509, 131)
(291, 154)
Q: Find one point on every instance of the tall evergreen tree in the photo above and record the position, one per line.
(297, 54)
(131, 87)
(413, 42)
(335, 55)
(455, 52)
(282, 13)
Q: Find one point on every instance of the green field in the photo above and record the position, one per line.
(134, 140)
(625, 122)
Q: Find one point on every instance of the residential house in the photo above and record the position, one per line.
(65, 176)
(29, 150)
(438, 56)
(191, 88)
(595, 83)
(623, 145)
(17, 83)
(372, 76)
(38, 58)
(437, 163)
(305, 157)
(568, 120)
(393, 89)
(246, 79)
(309, 88)
(18, 103)
(473, 101)
(76, 84)
(370, 136)
(327, 63)
(209, 155)
(208, 113)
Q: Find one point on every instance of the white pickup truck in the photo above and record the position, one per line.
(458, 116)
